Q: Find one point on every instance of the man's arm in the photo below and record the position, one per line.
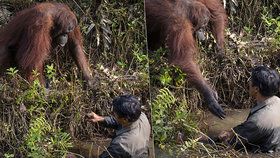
(110, 122)
(107, 121)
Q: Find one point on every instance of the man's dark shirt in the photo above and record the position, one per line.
(129, 142)
(261, 130)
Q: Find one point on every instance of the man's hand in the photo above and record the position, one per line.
(93, 117)
(225, 136)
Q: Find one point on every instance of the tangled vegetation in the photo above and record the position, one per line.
(39, 122)
(252, 39)
(36, 122)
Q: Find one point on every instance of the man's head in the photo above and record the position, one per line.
(265, 81)
(127, 108)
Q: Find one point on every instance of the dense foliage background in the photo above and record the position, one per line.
(41, 123)
(252, 38)
(36, 122)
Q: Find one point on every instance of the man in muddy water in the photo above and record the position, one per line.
(261, 130)
(132, 129)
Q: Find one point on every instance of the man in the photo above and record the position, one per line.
(261, 130)
(132, 129)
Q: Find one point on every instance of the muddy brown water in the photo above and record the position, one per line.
(89, 149)
(214, 125)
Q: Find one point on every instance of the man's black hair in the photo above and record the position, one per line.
(127, 106)
(266, 79)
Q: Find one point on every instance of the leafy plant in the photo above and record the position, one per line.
(161, 122)
(170, 117)
(165, 76)
(50, 72)
(273, 26)
(12, 71)
(7, 155)
(44, 140)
